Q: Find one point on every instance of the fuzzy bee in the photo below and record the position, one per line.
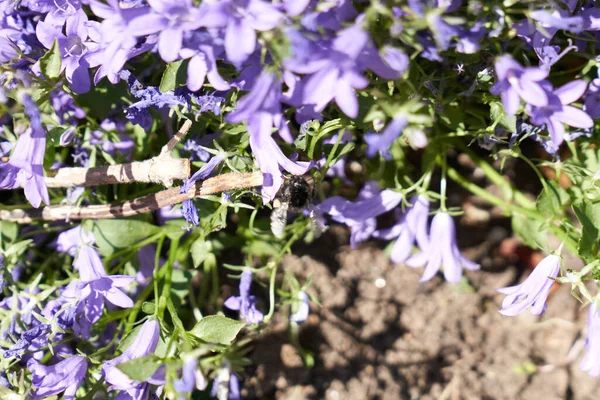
(295, 195)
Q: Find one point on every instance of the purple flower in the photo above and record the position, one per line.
(203, 173)
(591, 103)
(243, 19)
(66, 376)
(380, 143)
(245, 303)
(70, 240)
(468, 39)
(117, 41)
(557, 111)
(94, 288)
(25, 167)
(558, 20)
(65, 107)
(302, 308)
(194, 146)
(191, 378)
(73, 47)
(411, 227)
(334, 73)
(202, 53)
(58, 10)
(144, 344)
(515, 81)
(591, 360)
(442, 251)
(269, 156)
(360, 215)
(36, 337)
(190, 212)
(8, 51)
(533, 292)
(124, 146)
(170, 19)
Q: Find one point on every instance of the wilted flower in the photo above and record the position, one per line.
(411, 226)
(36, 337)
(144, 344)
(442, 251)
(66, 376)
(534, 291)
(591, 360)
(516, 81)
(302, 308)
(245, 303)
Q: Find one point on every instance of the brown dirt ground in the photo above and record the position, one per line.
(408, 340)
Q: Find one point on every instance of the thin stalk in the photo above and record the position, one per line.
(569, 242)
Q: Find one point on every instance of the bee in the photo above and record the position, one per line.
(295, 195)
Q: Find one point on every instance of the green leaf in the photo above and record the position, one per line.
(497, 113)
(8, 231)
(175, 75)
(552, 200)
(217, 329)
(50, 63)
(588, 215)
(175, 228)
(113, 234)
(140, 369)
(530, 230)
(18, 248)
(199, 249)
(148, 307)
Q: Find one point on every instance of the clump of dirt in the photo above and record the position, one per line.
(380, 334)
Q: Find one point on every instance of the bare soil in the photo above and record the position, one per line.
(380, 334)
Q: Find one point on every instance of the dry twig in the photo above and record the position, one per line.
(140, 205)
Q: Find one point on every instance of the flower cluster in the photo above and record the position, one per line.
(380, 104)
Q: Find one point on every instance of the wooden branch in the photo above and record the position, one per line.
(161, 169)
(140, 205)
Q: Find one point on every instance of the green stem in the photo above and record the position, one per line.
(166, 289)
(271, 294)
(569, 242)
(509, 191)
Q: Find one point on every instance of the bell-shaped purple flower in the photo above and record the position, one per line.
(591, 360)
(66, 376)
(516, 81)
(70, 240)
(360, 215)
(191, 378)
(592, 99)
(533, 292)
(558, 111)
(94, 288)
(411, 227)
(380, 143)
(26, 165)
(144, 344)
(245, 303)
(442, 251)
(269, 156)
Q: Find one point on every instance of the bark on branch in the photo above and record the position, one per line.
(140, 205)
